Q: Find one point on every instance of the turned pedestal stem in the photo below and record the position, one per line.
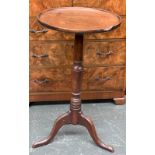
(74, 115)
(78, 20)
(77, 70)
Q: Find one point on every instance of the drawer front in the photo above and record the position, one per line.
(105, 53)
(117, 6)
(61, 53)
(106, 78)
(36, 6)
(38, 32)
(52, 79)
(51, 53)
(94, 79)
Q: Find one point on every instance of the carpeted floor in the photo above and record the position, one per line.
(108, 118)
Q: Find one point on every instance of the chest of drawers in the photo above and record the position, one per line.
(104, 56)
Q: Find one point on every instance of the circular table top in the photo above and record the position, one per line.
(78, 19)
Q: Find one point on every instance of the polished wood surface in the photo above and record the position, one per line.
(119, 33)
(53, 80)
(94, 79)
(52, 49)
(79, 19)
(120, 101)
(74, 118)
(105, 53)
(75, 115)
(37, 32)
(117, 6)
(85, 95)
(36, 6)
(59, 54)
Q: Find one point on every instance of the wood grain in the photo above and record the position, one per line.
(102, 53)
(96, 53)
(36, 6)
(79, 19)
(106, 78)
(94, 79)
(75, 114)
(43, 88)
(117, 6)
(52, 80)
(59, 53)
(120, 32)
(49, 35)
(65, 96)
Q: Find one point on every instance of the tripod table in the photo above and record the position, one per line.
(78, 20)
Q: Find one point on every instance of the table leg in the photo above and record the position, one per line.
(75, 115)
(59, 122)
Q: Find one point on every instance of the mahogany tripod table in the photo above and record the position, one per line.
(78, 20)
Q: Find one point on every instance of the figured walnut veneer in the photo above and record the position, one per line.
(44, 54)
(117, 6)
(36, 6)
(53, 49)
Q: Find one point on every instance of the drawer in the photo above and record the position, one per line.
(50, 53)
(106, 78)
(94, 79)
(105, 53)
(96, 53)
(119, 32)
(38, 32)
(36, 6)
(117, 6)
(52, 79)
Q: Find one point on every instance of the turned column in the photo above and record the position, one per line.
(77, 70)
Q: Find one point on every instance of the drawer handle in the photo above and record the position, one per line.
(103, 79)
(43, 30)
(103, 54)
(39, 55)
(39, 31)
(44, 81)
